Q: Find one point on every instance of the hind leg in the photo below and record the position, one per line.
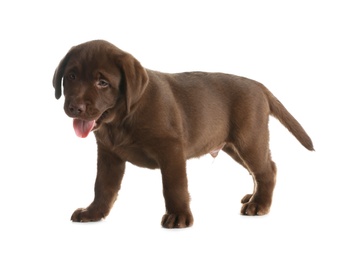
(259, 202)
(252, 151)
(258, 206)
(258, 161)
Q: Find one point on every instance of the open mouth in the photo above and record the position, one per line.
(82, 128)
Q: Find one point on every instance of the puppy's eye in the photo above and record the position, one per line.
(72, 76)
(102, 83)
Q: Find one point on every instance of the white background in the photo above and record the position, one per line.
(305, 52)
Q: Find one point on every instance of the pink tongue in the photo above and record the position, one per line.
(82, 128)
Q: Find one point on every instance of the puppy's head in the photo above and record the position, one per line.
(96, 77)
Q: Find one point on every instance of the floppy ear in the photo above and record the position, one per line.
(58, 75)
(136, 79)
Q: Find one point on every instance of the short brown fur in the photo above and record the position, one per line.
(159, 120)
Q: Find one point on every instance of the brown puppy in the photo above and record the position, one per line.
(159, 120)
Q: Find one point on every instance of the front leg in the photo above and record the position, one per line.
(175, 189)
(110, 171)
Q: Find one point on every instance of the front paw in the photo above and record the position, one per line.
(179, 220)
(87, 215)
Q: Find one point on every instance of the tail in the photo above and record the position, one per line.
(282, 114)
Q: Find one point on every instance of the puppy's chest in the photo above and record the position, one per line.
(128, 148)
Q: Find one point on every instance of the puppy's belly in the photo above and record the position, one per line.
(214, 152)
(198, 151)
(144, 162)
(138, 157)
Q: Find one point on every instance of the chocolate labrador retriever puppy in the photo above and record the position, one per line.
(159, 120)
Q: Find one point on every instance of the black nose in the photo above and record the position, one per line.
(76, 109)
